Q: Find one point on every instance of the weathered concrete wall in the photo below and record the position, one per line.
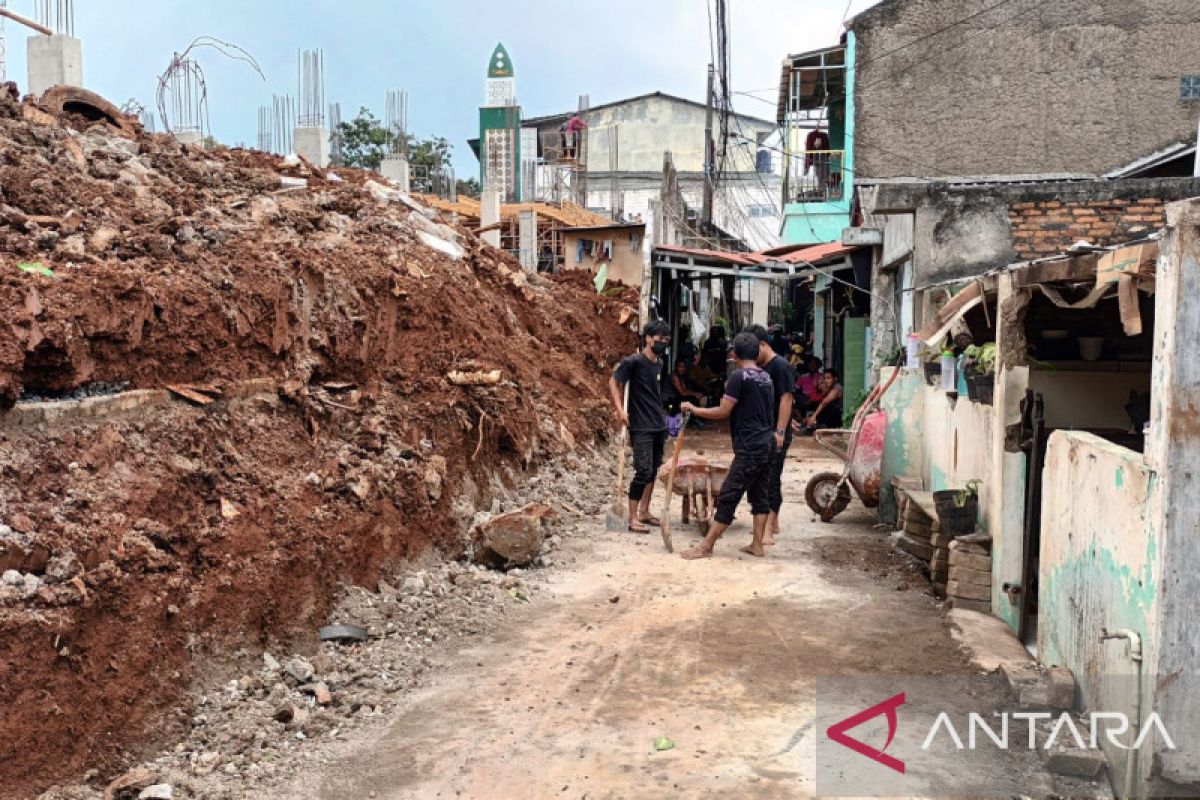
(958, 444)
(648, 126)
(963, 231)
(1099, 569)
(1079, 86)
(1173, 451)
(904, 444)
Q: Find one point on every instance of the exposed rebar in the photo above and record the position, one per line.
(57, 15)
(396, 121)
(337, 144)
(311, 74)
(265, 129)
(283, 123)
(182, 92)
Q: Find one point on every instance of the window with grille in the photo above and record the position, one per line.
(1189, 87)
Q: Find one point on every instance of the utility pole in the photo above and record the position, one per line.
(710, 158)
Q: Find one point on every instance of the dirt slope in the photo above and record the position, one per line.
(148, 542)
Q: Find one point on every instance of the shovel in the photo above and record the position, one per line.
(666, 515)
(615, 520)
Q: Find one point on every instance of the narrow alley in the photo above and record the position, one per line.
(626, 644)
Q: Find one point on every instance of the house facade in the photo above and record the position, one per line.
(1021, 173)
(617, 166)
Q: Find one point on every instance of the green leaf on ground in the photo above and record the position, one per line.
(663, 743)
(36, 267)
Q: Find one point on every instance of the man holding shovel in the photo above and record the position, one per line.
(647, 424)
(749, 404)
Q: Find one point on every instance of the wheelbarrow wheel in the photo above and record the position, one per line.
(825, 497)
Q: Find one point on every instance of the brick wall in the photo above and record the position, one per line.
(1048, 227)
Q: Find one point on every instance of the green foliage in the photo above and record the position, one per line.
(980, 359)
(470, 188)
(433, 152)
(971, 490)
(366, 140)
(850, 410)
(790, 312)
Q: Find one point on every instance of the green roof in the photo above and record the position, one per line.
(500, 65)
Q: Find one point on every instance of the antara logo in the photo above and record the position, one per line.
(838, 732)
(1116, 728)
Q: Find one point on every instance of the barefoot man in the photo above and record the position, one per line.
(647, 423)
(749, 404)
(783, 377)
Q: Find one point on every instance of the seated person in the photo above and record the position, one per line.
(828, 413)
(808, 387)
(682, 387)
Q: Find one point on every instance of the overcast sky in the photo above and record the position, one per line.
(438, 51)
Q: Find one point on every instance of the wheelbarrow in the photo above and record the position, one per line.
(860, 448)
(698, 481)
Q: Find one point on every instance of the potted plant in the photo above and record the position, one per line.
(931, 358)
(980, 367)
(957, 509)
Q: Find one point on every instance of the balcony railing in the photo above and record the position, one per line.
(815, 176)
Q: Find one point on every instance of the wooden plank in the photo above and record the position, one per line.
(1075, 268)
(190, 395)
(923, 501)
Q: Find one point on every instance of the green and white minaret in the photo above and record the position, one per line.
(500, 129)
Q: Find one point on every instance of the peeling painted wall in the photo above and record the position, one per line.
(904, 444)
(1099, 566)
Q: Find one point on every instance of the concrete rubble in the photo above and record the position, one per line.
(244, 734)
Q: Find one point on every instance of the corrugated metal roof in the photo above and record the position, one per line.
(817, 253)
(744, 259)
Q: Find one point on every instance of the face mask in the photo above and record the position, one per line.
(659, 348)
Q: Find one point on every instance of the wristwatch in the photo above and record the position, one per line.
(782, 431)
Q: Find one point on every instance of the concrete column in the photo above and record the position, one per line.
(54, 61)
(1173, 452)
(883, 314)
(395, 169)
(1004, 514)
(313, 145)
(192, 138)
(760, 297)
(529, 240)
(489, 213)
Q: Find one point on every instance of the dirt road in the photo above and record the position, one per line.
(627, 643)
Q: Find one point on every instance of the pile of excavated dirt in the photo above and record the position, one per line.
(280, 713)
(337, 346)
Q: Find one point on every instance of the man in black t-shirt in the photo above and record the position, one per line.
(749, 404)
(783, 378)
(647, 424)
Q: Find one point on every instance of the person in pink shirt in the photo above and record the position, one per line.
(808, 387)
